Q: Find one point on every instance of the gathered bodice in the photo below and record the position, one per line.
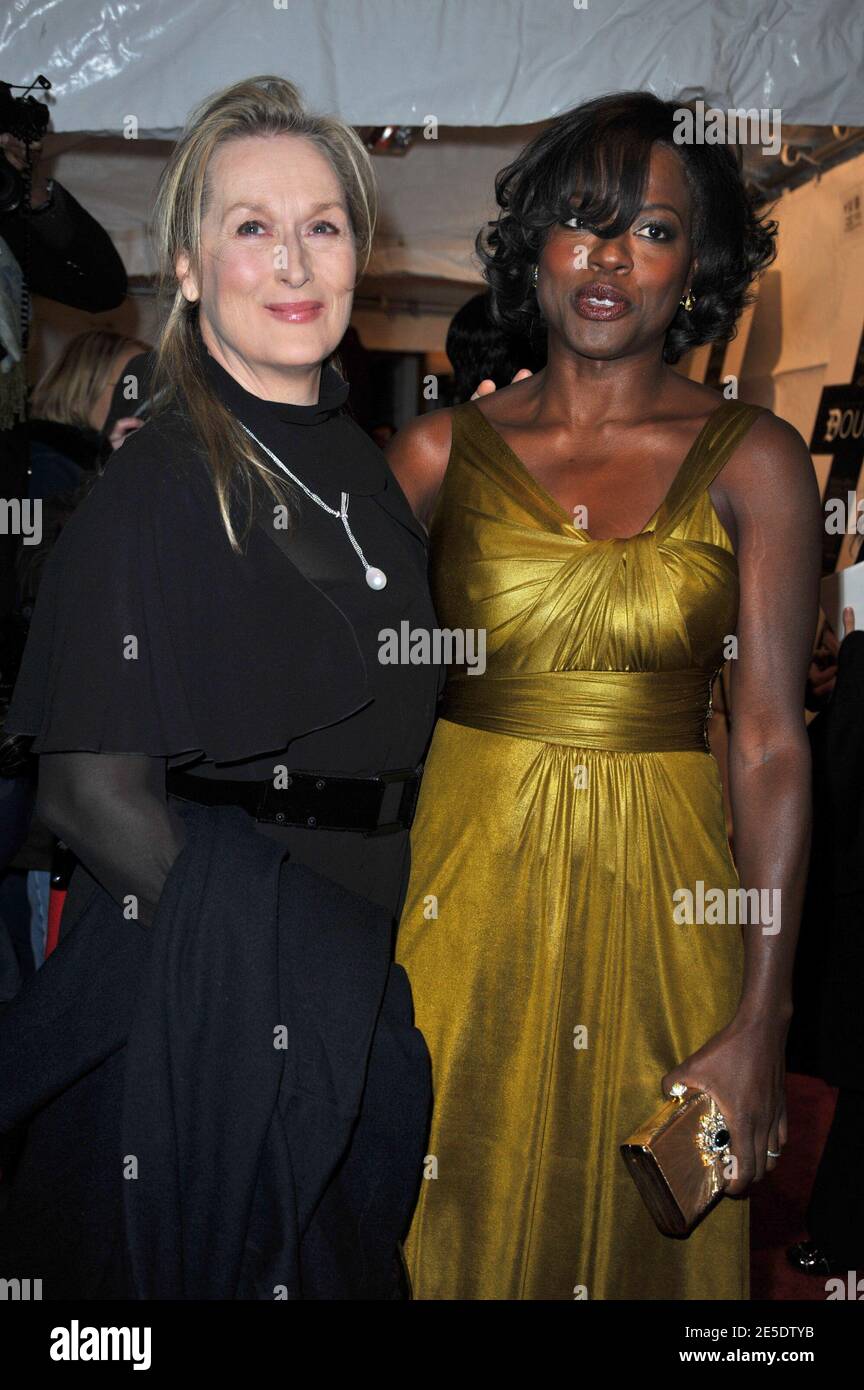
(637, 626)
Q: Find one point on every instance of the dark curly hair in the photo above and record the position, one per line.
(603, 148)
(478, 348)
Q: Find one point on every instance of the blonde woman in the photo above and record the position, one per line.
(69, 409)
(255, 542)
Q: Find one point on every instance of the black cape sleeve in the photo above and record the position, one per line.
(151, 636)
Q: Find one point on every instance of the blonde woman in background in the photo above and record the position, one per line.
(69, 408)
(67, 446)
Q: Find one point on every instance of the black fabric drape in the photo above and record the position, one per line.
(174, 1150)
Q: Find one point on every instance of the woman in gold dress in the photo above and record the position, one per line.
(618, 531)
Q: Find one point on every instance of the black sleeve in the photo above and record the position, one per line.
(112, 811)
(69, 258)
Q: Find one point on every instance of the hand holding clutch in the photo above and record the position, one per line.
(677, 1157)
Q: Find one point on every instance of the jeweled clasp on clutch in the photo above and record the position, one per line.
(713, 1138)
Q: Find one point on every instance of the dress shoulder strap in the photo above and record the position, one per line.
(471, 437)
(464, 420)
(460, 433)
(719, 439)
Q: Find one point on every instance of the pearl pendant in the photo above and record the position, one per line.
(375, 578)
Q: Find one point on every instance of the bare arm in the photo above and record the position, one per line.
(112, 811)
(418, 455)
(772, 489)
(779, 528)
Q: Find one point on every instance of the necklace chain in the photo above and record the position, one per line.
(342, 512)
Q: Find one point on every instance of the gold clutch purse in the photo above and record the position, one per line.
(676, 1160)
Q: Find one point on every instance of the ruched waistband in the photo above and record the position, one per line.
(623, 711)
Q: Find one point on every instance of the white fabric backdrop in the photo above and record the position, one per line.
(466, 62)
(496, 64)
(492, 63)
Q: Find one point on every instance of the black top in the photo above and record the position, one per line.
(325, 449)
(150, 636)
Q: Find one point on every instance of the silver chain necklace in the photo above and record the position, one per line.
(375, 578)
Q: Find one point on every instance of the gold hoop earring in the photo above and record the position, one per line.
(688, 302)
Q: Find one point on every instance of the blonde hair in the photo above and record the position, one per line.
(70, 388)
(257, 106)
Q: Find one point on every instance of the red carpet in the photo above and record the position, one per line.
(778, 1206)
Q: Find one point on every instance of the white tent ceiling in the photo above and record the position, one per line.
(465, 62)
(485, 69)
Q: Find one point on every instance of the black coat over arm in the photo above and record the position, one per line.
(231, 1105)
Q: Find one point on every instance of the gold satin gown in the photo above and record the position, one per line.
(568, 793)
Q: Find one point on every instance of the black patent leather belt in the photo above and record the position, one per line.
(373, 805)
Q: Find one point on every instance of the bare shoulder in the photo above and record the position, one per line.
(771, 471)
(513, 405)
(418, 456)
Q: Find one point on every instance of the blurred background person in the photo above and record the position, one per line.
(56, 249)
(827, 1037)
(482, 351)
(49, 245)
(70, 409)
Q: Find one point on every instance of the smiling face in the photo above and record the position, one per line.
(649, 264)
(278, 264)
